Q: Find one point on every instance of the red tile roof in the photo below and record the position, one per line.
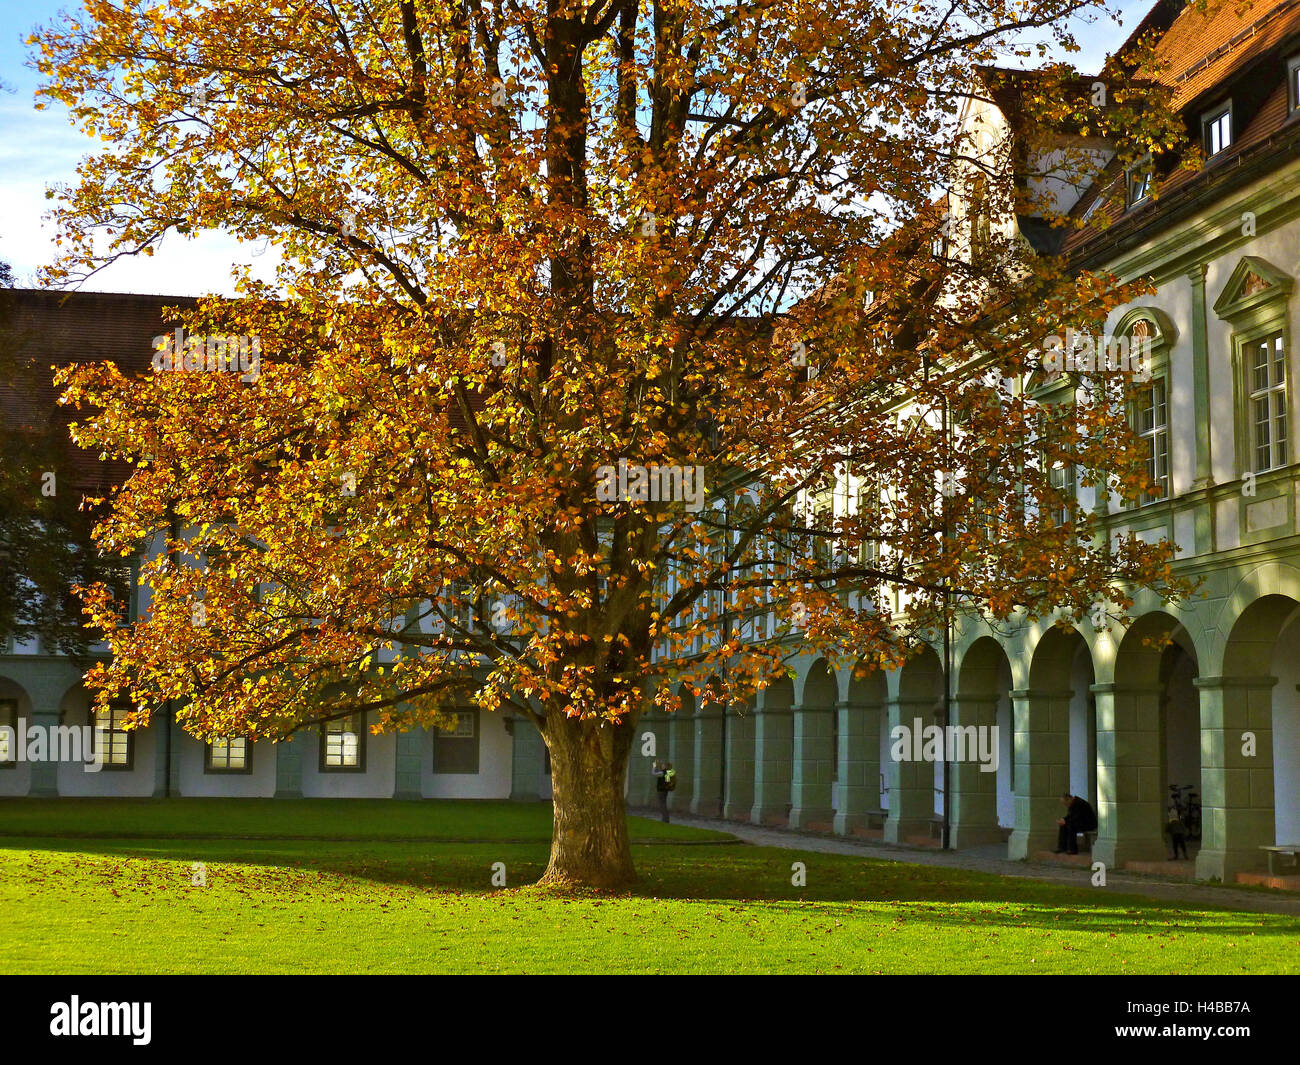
(53, 329)
(1203, 55)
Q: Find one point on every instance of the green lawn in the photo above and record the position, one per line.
(306, 818)
(382, 906)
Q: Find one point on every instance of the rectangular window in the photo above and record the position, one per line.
(1153, 428)
(1138, 182)
(1061, 477)
(230, 754)
(343, 745)
(1217, 129)
(8, 733)
(869, 521)
(1266, 364)
(113, 742)
(1293, 82)
(455, 750)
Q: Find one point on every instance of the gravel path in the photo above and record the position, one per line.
(992, 859)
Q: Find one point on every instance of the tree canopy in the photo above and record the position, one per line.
(523, 242)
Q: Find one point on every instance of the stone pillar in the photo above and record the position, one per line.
(706, 793)
(1236, 787)
(910, 781)
(641, 790)
(1042, 753)
(773, 743)
(1131, 794)
(740, 767)
(527, 762)
(814, 768)
(164, 776)
(288, 770)
(44, 774)
(973, 818)
(1200, 383)
(681, 752)
(408, 764)
(859, 767)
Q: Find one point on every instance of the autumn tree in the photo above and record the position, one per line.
(525, 246)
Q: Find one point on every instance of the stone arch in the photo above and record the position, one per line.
(982, 799)
(914, 783)
(863, 752)
(814, 754)
(1148, 721)
(1251, 723)
(738, 742)
(681, 749)
(773, 744)
(708, 772)
(15, 779)
(1053, 710)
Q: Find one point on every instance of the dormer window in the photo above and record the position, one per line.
(1138, 182)
(1293, 83)
(1217, 128)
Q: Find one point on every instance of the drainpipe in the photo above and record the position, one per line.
(947, 656)
(726, 638)
(173, 531)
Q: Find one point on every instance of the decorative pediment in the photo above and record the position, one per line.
(1149, 325)
(1253, 282)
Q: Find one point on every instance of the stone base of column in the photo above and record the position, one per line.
(1023, 843)
(706, 807)
(974, 835)
(769, 815)
(737, 811)
(1224, 865)
(809, 818)
(1116, 852)
(845, 824)
(898, 831)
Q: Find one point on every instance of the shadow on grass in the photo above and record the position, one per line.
(751, 878)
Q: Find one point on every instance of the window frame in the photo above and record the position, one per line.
(1209, 120)
(1158, 377)
(1163, 336)
(1293, 86)
(1252, 316)
(1147, 169)
(359, 732)
(214, 770)
(447, 736)
(124, 707)
(1250, 344)
(9, 717)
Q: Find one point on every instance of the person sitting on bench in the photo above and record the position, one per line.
(1079, 817)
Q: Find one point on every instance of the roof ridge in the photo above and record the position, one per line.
(1239, 38)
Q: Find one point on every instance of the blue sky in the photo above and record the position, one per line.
(38, 148)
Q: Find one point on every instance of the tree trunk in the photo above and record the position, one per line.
(589, 845)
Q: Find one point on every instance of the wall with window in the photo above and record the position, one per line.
(468, 766)
(15, 775)
(219, 771)
(332, 772)
(131, 772)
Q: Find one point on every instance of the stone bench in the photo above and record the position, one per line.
(1291, 850)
